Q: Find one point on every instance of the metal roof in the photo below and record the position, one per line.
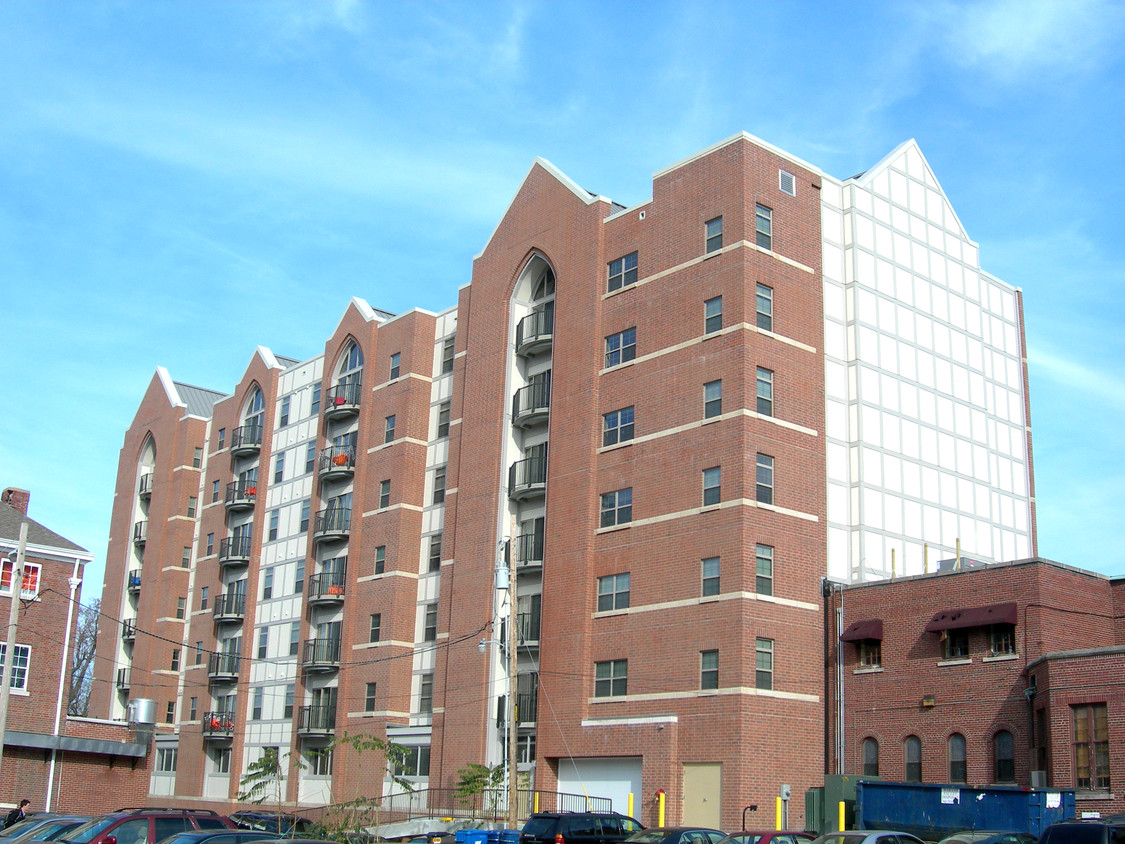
(199, 401)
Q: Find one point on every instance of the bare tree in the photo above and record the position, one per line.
(82, 667)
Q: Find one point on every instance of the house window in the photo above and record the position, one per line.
(1002, 639)
(267, 585)
(763, 663)
(222, 437)
(396, 361)
(712, 485)
(714, 233)
(617, 507)
(299, 577)
(20, 665)
(708, 669)
(192, 505)
(170, 713)
(389, 429)
(306, 505)
(380, 559)
(712, 315)
(435, 553)
(203, 597)
(426, 693)
(369, 698)
(285, 404)
(620, 347)
(315, 408)
(956, 644)
(415, 762)
(617, 426)
(870, 653)
(764, 305)
(185, 557)
(712, 399)
(763, 227)
(193, 709)
(294, 638)
(429, 629)
(764, 491)
(376, 627)
(290, 695)
(765, 392)
(1091, 746)
(870, 757)
(320, 762)
(197, 458)
(222, 760)
(310, 458)
(912, 758)
(439, 485)
(174, 663)
(279, 468)
(611, 678)
(214, 491)
(623, 272)
(763, 568)
(958, 769)
(1003, 753)
(199, 653)
(447, 351)
(525, 749)
(443, 419)
(181, 607)
(256, 707)
(263, 642)
(384, 494)
(710, 576)
(275, 521)
(210, 543)
(613, 592)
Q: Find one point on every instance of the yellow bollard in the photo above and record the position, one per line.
(630, 812)
(536, 802)
(660, 808)
(841, 826)
(777, 822)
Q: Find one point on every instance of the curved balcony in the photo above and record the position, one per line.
(531, 404)
(144, 487)
(229, 608)
(316, 721)
(140, 532)
(336, 461)
(321, 655)
(129, 630)
(529, 550)
(342, 400)
(134, 582)
(123, 679)
(535, 332)
(332, 524)
(241, 495)
(218, 726)
(246, 440)
(328, 587)
(223, 668)
(234, 551)
(527, 478)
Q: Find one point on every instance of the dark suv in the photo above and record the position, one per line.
(578, 828)
(144, 826)
(1085, 832)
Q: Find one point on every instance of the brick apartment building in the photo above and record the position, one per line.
(46, 754)
(662, 424)
(1007, 674)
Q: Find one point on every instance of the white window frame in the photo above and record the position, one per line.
(20, 672)
(34, 578)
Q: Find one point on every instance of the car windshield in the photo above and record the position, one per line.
(41, 830)
(89, 830)
(841, 838)
(23, 826)
(59, 831)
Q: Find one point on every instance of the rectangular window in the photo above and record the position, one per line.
(708, 669)
(447, 351)
(214, 491)
(166, 759)
(764, 489)
(617, 426)
(290, 695)
(263, 642)
(314, 409)
(384, 494)
(396, 361)
(956, 644)
(306, 506)
(376, 628)
(617, 507)
(623, 272)
(389, 429)
(613, 592)
(185, 557)
(415, 762)
(620, 347)
(203, 597)
(426, 694)
(19, 665)
(763, 658)
(713, 315)
(170, 713)
(222, 760)
(181, 607)
(611, 678)
(285, 404)
(275, 520)
(763, 569)
(764, 305)
(870, 653)
(435, 553)
(198, 653)
(1002, 639)
(222, 437)
(369, 698)
(299, 578)
(320, 762)
(439, 485)
(763, 227)
(712, 485)
(29, 585)
(765, 392)
(279, 468)
(525, 749)
(197, 458)
(443, 419)
(193, 709)
(712, 399)
(714, 233)
(210, 544)
(192, 505)
(310, 458)
(294, 638)
(710, 576)
(429, 629)
(380, 559)
(267, 585)
(256, 707)
(174, 663)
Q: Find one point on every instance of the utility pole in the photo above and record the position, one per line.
(13, 625)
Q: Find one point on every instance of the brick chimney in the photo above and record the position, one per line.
(16, 498)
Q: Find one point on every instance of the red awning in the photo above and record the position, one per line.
(973, 617)
(859, 631)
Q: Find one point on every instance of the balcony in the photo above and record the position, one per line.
(241, 495)
(134, 582)
(527, 628)
(328, 587)
(316, 721)
(123, 679)
(527, 478)
(229, 608)
(218, 726)
(144, 488)
(342, 401)
(529, 550)
(321, 655)
(246, 441)
(332, 524)
(336, 461)
(234, 551)
(140, 532)
(223, 668)
(129, 630)
(535, 332)
(527, 699)
(531, 404)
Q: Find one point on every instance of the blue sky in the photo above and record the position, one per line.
(182, 181)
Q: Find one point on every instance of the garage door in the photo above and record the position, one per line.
(612, 777)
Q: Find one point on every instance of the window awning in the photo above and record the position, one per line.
(859, 631)
(973, 617)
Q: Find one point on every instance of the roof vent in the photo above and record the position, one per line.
(787, 183)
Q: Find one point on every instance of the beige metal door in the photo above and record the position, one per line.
(703, 788)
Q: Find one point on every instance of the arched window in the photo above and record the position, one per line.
(255, 410)
(958, 769)
(912, 756)
(544, 286)
(350, 368)
(1003, 754)
(870, 757)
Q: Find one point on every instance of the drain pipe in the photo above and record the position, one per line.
(75, 581)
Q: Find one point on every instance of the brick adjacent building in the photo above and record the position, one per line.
(656, 428)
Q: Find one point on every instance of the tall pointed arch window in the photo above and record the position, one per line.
(255, 410)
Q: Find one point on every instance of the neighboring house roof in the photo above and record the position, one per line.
(10, 519)
(200, 401)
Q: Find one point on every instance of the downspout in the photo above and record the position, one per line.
(839, 690)
(75, 581)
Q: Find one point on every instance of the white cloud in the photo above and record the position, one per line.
(1107, 387)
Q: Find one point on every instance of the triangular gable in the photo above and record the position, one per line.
(368, 313)
(169, 386)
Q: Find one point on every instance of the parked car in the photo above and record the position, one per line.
(676, 835)
(220, 836)
(144, 826)
(26, 829)
(866, 836)
(771, 836)
(1085, 832)
(283, 824)
(57, 832)
(578, 828)
(983, 836)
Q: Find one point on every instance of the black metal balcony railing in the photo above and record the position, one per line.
(234, 550)
(527, 699)
(223, 668)
(527, 626)
(527, 477)
(129, 629)
(321, 654)
(231, 607)
(332, 523)
(535, 331)
(123, 679)
(531, 404)
(134, 584)
(144, 488)
(336, 460)
(218, 725)
(241, 495)
(140, 532)
(342, 400)
(529, 549)
(316, 720)
(328, 587)
(246, 439)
